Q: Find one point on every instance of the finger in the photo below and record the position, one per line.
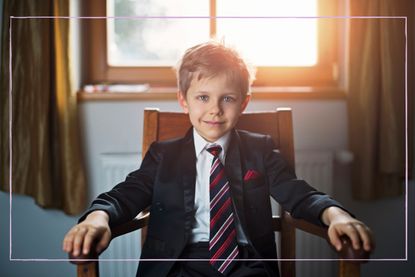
(365, 236)
(88, 240)
(353, 234)
(78, 241)
(68, 240)
(67, 243)
(335, 239)
(103, 243)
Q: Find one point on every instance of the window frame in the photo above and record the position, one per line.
(97, 70)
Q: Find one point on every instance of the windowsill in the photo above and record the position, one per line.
(258, 93)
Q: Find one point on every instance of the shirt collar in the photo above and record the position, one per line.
(201, 144)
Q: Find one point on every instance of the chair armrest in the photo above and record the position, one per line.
(137, 223)
(347, 252)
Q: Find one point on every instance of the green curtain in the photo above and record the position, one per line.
(377, 96)
(47, 162)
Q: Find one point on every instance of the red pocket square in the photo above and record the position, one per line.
(251, 175)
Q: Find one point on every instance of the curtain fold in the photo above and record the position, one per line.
(376, 99)
(47, 161)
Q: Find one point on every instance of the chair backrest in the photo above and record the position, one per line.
(159, 126)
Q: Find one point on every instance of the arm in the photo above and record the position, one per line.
(113, 208)
(295, 196)
(303, 201)
(130, 197)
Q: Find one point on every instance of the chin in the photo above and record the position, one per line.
(211, 138)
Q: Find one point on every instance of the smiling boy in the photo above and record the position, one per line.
(200, 203)
(213, 105)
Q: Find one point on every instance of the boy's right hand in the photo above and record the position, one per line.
(94, 228)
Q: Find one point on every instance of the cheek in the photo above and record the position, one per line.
(233, 111)
(197, 108)
(194, 112)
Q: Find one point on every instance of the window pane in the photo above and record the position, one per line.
(154, 41)
(270, 41)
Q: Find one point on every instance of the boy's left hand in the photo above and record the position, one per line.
(342, 223)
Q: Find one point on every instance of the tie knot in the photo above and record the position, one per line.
(214, 150)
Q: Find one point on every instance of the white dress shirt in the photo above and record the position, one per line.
(201, 229)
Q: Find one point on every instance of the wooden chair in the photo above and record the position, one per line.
(278, 124)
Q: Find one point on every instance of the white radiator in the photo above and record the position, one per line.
(313, 166)
(115, 167)
(316, 167)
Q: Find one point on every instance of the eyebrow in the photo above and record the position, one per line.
(226, 93)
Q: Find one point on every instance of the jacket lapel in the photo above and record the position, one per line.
(233, 169)
(187, 164)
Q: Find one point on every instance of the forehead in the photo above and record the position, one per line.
(218, 82)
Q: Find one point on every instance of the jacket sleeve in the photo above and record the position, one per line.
(295, 196)
(130, 197)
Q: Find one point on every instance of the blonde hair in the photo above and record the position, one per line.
(210, 59)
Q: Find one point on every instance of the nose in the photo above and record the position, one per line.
(215, 108)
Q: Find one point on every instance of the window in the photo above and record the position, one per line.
(143, 49)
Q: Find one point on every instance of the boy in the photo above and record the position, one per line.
(209, 191)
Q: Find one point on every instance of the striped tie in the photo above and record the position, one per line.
(223, 246)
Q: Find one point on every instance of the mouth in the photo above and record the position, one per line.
(213, 123)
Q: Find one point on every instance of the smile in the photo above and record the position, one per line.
(214, 123)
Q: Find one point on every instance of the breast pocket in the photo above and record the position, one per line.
(256, 183)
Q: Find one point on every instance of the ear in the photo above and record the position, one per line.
(182, 102)
(245, 102)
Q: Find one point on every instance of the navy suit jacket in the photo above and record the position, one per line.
(166, 181)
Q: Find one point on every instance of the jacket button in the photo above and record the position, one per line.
(159, 206)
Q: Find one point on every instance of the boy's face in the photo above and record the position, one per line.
(213, 105)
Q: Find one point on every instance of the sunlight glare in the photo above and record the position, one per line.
(270, 41)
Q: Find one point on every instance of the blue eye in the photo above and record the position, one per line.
(228, 99)
(203, 98)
